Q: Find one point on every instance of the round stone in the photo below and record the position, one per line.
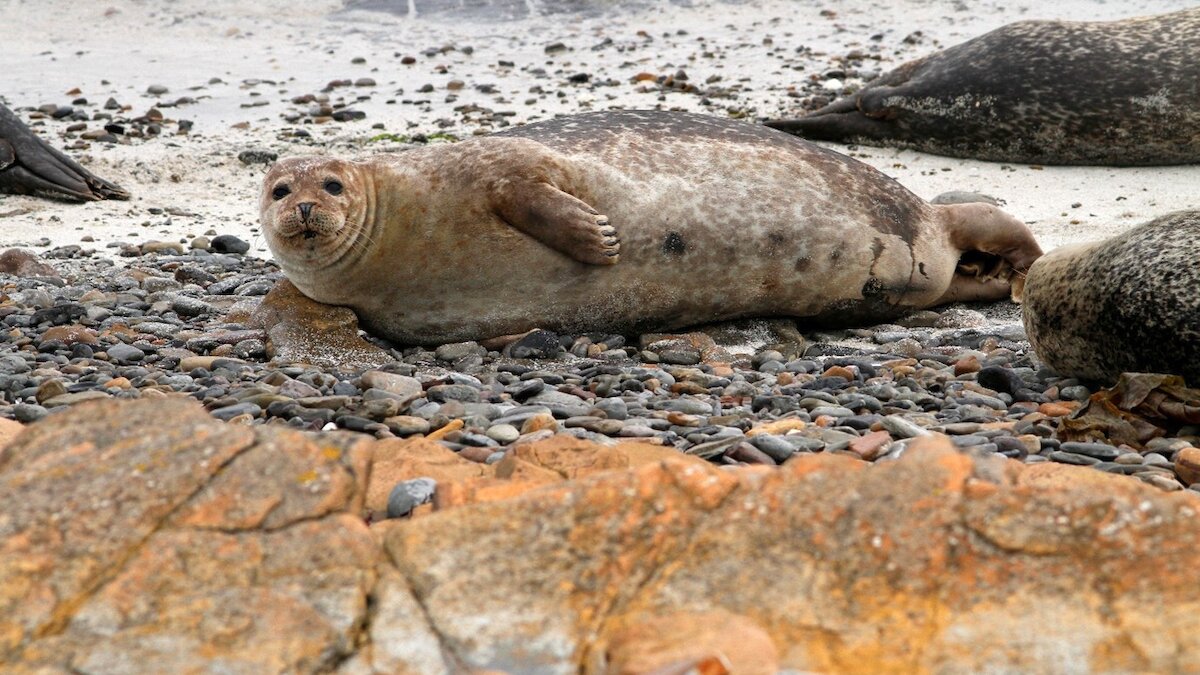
(408, 495)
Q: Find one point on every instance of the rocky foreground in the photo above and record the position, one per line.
(279, 494)
(130, 545)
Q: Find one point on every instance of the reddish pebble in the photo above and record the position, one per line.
(839, 371)
(1057, 408)
(871, 446)
(476, 454)
(969, 364)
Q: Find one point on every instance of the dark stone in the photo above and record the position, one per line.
(227, 243)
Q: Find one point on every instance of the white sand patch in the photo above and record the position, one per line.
(272, 50)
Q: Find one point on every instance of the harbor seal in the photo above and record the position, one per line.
(1118, 93)
(627, 222)
(30, 166)
(1125, 304)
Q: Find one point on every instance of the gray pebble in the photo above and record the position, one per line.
(125, 354)
(408, 495)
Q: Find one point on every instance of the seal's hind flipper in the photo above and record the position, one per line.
(560, 221)
(841, 120)
(29, 165)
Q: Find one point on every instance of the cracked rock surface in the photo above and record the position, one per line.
(145, 536)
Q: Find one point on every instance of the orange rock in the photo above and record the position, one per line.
(570, 457)
(566, 457)
(1058, 408)
(1187, 465)
(70, 335)
(118, 383)
(778, 427)
(187, 542)
(953, 553)
(515, 468)
(689, 387)
(706, 642)
(967, 364)
(721, 369)
(839, 371)
(785, 378)
(1032, 443)
(395, 460)
(684, 420)
(538, 423)
(314, 477)
(451, 427)
(481, 489)
(9, 430)
(640, 453)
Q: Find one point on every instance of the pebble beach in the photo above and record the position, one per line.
(150, 298)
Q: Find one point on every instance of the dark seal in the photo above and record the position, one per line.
(30, 166)
(1127, 304)
(1118, 93)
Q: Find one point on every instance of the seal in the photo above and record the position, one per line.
(625, 221)
(1125, 304)
(30, 166)
(1118, 93)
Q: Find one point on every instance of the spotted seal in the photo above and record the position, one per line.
(624, 221)
(29, 165)
(1119, 93)
(1128, 303)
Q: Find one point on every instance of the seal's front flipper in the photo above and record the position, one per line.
(560, 221)
(28, 165)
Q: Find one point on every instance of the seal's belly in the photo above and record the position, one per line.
(689, 255)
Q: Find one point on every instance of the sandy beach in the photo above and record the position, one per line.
(232, 70)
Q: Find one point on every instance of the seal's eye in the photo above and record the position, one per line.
(280, 192)
(333, 187)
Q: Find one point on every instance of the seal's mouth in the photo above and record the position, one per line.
(989, 268)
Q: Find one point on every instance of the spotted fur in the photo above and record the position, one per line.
(1129, 303)
(1119, 93)
(716, 219)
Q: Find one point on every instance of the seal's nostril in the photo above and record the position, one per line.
(305, 210)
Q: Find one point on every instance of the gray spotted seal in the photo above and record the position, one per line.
(29, 165)
(1119, 93)
(624, 221)
(1126, 304)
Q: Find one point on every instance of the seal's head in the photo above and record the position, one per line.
(311, 208)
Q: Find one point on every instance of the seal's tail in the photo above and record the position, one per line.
(29, 165)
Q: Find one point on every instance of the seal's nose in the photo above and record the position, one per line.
(305, 210)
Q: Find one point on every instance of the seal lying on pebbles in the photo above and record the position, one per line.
(624, 221)
(30, 166)
(1117, 93)
(1129, 303)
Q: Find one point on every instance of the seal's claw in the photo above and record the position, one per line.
(560, 221)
